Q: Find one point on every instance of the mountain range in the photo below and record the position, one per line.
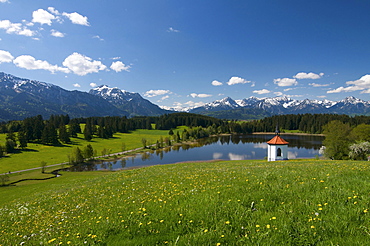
(283, 105)
(21, 98)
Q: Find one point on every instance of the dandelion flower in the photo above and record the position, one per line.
(52, 240)
(227, 222)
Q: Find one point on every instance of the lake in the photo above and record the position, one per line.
(235, 147)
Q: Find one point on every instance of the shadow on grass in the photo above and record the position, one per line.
(27, 150)
(55, 173)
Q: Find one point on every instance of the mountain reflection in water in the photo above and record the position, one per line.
(234, 147)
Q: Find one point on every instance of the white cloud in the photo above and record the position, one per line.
(263, 91)
(362, 84)
(93, 84)
(194, 95)
(98, 37)
(4, 1)
(308, 75)
(194, 104)
(53, 11)
(216, 83)
(76, 18)
(278, 93)
(30, 63)
(293, 95)
(154, 93)
(119, 66)
(318, 85)
(116, 58)
(285, 82)
(82, 65)
(16, 28)
(171, 29)
(237, 80)
(76, 85)
(5, 56)
(165, 97)
(56, 33)
(42, 16)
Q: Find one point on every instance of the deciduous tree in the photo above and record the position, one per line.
(336, 140)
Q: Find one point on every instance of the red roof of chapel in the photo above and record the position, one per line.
(277, 140)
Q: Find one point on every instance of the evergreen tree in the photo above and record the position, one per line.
(49, 135)
(1, 151)
(37, 127)
(148, 125)
(10, 135)
(87, 132)
(74, 128)
(22, 139)
(9, 146)
(63, 134)
(101, 132)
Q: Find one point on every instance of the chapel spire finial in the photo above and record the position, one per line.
(277, 131)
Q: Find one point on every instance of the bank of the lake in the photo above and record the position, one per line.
(225, 147)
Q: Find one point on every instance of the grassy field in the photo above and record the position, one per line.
(300, 202)
(34, 154)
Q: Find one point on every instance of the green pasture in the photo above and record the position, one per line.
(296, 202)
(34, 154)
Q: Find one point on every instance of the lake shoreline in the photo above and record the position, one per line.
(246, 150)
(289, 133)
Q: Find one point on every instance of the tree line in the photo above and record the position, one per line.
(59, 129)
(308, 123)
(345, 142)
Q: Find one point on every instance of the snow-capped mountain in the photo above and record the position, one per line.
(285, 105)
(21, 98)
(114, 95)
(132, 103)
(224, 104)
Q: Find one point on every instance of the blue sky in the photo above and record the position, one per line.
(186, 53)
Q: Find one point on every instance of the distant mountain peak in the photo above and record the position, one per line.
(286, 105)
(21, 98)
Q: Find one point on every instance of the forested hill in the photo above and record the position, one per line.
(309, 123)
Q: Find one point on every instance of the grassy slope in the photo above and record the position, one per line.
(36, 153)
(300, 202)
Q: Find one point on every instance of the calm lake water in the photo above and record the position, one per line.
(238, 147)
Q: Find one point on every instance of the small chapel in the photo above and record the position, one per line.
(277, 148)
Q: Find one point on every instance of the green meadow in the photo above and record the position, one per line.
(35, 153)
(295, 202)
